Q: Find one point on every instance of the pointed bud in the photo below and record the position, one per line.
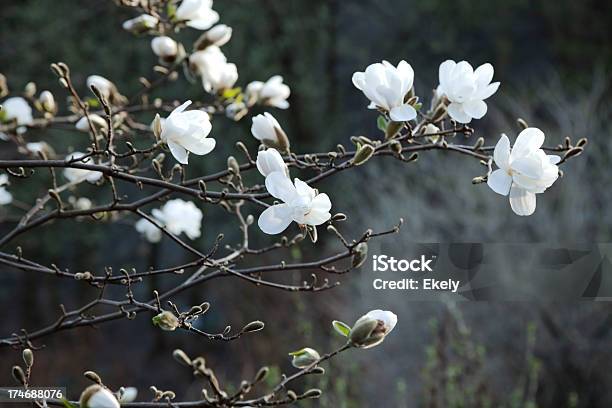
(180, 356)
(19, 375)
(360, 255)
(393, 129)
(166, 321)
(96, 396)
(253, 326)
(363, 154)
(304, 357)
(28, 357)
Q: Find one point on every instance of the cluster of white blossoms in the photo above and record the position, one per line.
(300, 202)
(524, 171)
(273, 93)
(211, 65)
(5, 196)
(177, 217)
(16, 109)
(388, 88)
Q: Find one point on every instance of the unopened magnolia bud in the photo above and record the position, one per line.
(304, 357)
(93, 376)
(573, 152)
(522, 123)
(371, 328)
(282, 139)
(164, 47)
(363, 154)
(395, 146)
(317, 371)
(261, 374)
(253, 326)
(30, 89)
(166, 321)
(96, 120)
(140, 24)
(393, 129)
(96, 396)
(4, 90)
(28, 357)
(157, 126)
(47, 101)
(312, 393)
(218, 35)
(180, 356)
(360, 254)
(233, 165)
(19, 375)
(292, 395)
(478, 180)
(361, 333)
(479, 143)
(582, 142)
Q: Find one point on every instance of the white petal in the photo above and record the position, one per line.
(529, 166)
(275, 219)
(445, 70)
(199, 146)
(522, 201)
(181, 108)
(487, 91)
(358, 80)
(403, 113)
(389, 319)
(527, 142)
(500, 181)
(455, 110)
(554, 159)
(321, 202)
(475, 108)
(280, 186)
(501, 154)
(484, 74)
(304, 189)
(179, 152)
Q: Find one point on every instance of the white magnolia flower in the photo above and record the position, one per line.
(266, 129)
(140, 24)
(5, 196)
(271, 93)
(466, 89)
(78, 175)
(180, 216)
(186, 131)
(197, 13)
(96, 396)
(164, 47)
(150, 231)
(269, 161)
(18, 109)
(218, 35)
(372, 328)
(212, 66)
(524, 171)
(301, 204)
(386, 87)
(106, 87)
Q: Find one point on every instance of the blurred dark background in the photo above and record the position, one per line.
(554, 61)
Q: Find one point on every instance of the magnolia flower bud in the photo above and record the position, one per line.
(180, 356)
(266, 129)
(363, 154)
(28, 357)
(372, 328)
(16, 109)
(96, 396)
(106, 88)
(304, 357)
(98, 122)
(269, 161)
(360, 255)
(166, 321)
(39, 148)
(19, 375)
(127, 394)
(431, 129)
(164, 47)
(140, 24)
(47, 101)
(218, 35)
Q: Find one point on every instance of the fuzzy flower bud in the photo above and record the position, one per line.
(304, 357)
(166, 321)
(372, 328)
